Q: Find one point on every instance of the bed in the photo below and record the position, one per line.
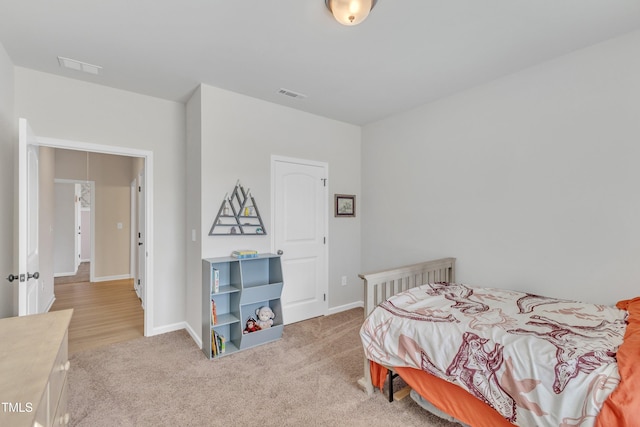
(496, 357)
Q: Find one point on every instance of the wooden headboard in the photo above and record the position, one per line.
(381, 285)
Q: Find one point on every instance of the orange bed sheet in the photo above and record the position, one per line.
(621, 409)
(445, 396)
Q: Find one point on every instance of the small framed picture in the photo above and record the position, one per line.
(345, 205)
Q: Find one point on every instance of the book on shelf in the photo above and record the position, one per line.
(246, 253)
(223, 345)
(218, 344)
(214, 312)
(215, 278)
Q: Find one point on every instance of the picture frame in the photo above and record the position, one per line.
(345, 205)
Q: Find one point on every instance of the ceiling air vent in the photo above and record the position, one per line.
(79, 65)
(291, 93)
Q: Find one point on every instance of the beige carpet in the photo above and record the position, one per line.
(308, 378)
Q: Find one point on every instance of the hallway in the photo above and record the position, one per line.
(104, 312)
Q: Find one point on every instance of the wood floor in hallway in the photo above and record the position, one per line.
(104, 313)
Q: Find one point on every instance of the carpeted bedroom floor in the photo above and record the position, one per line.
(308, 378)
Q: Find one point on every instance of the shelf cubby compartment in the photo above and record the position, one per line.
(261, 337)
(262, 270)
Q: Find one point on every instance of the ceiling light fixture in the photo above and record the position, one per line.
(350, 12)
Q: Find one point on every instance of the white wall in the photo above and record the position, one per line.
(68, 109)
(238, 136)
(531, 181)
(64, 241)
(112, 177)
(193, 293)
(8, 137)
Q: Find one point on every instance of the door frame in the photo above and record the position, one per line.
(140, 240)
(147, 156)
(285, 159)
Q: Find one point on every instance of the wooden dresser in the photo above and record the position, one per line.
(33, 370)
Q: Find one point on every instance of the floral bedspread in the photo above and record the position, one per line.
(538, 361)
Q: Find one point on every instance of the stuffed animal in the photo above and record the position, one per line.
(265, 317)
(252, 326)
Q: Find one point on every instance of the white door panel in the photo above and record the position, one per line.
(28, 206)
(141, 278)
(300, 209)
(78, 227)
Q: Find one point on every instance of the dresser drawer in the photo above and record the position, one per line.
(61, 416)
(58, 376)
(42, 410)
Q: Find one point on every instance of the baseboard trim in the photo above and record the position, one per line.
(53, 299)
(193, 334)
(334, 310)
(73, 273)
(110, 278)
(177, 327)
(168, 328)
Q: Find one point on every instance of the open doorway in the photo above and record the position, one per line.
(102, 275)
(105, 296)
(73, 223)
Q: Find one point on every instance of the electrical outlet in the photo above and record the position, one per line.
(344, 280)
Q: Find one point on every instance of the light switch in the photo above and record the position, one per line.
(119, 226)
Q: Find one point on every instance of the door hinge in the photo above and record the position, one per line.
(324, 297)
(324, 181)
(324, 240)
(139, 189)
(138, 282)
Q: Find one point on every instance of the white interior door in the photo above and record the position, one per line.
(299, 228)
(28, 205)
(78, 227)
(140, 281)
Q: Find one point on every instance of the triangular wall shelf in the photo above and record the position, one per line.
(238, 215)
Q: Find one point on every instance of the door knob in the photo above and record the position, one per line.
(280, 252)
(35, 275)
(12, 277)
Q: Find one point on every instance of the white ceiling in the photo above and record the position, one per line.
(407, 53)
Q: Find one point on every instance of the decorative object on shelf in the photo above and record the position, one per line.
(265, 317)
(238, 215)
(252, 326)
(345, 205)
(244, 253)
(350, 12)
